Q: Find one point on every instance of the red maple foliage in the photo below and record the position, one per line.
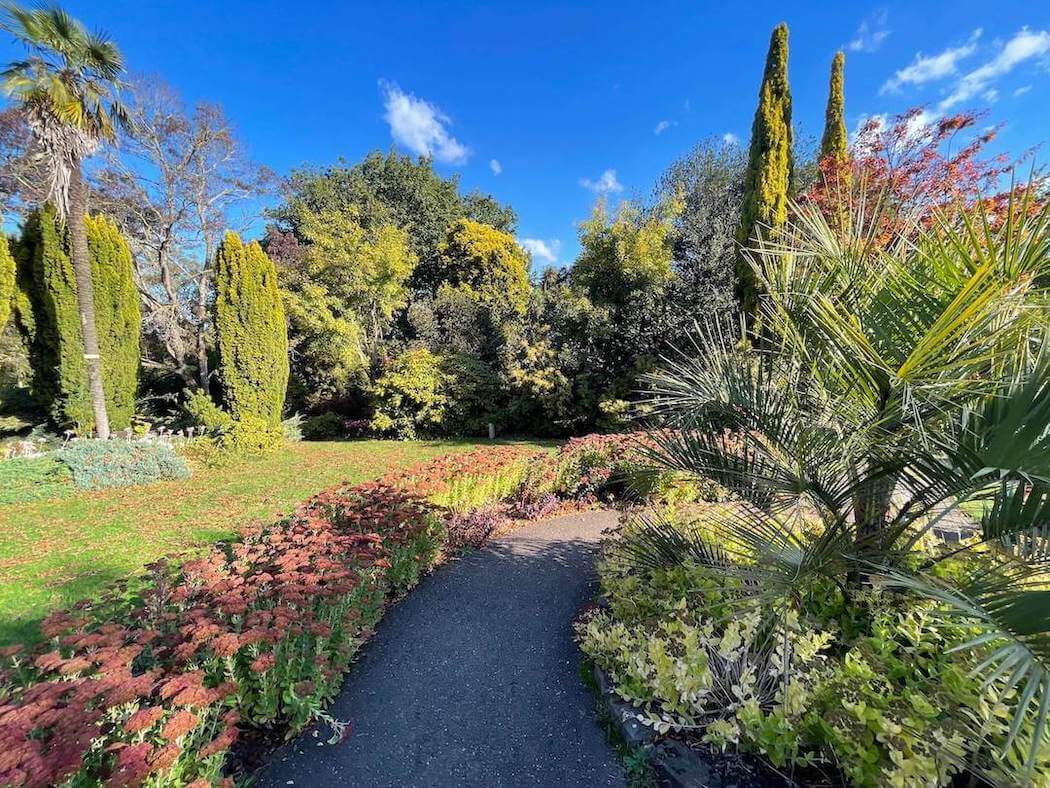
(913, 169)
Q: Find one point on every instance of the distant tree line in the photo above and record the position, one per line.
(380, 292)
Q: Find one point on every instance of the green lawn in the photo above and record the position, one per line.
(54, 552)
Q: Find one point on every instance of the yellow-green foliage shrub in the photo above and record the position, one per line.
(7, 282)
(251, 436)
(250, 331)
(228, 439)
(887, 704)
(409, 400)
(205, 413)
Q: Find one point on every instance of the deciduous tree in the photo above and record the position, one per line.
(173, 187)
(393, 189)
(708, 183)
(490, 264)
(342, 287)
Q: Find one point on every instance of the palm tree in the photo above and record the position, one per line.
(894, 383)
(67, 89)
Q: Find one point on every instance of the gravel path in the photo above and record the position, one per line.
(474, 679)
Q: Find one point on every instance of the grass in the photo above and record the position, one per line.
(25, 479)
(57, 551)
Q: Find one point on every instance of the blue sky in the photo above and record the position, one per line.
(546, 104)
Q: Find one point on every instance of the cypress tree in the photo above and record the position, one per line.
(119, 318)
(834, 142)
(250, 331)
(56, 348)
(48, 316)
(7, 281)
(767, 182)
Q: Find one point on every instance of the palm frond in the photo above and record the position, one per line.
(660, 543)
(1008, 603)
(751, 421)
(71, 78)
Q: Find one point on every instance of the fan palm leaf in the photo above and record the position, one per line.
(1009, 603)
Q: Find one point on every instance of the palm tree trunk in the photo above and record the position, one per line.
(871, 514)
(86, 298)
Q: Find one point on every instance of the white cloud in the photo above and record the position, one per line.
(991, 95)
(880, 121)
(871, 33)
(495, 166)
(929, 68)
(687, 105)
(729, 138)
(663, 126)
(420, 126)
(606, 184)
(542, 250)
(1021, 91)
(1025, 45)
(919, 123)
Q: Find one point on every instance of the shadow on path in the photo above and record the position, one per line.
(474, 679)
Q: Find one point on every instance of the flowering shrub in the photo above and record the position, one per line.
(96, 464)
(596, 465)
(256, 633)
(615, 466)
(472, 529)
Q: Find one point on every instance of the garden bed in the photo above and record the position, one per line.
(877, 695)
(158, 678)
(59, 545)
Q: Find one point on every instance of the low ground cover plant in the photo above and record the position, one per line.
(875, 695)
(95, 464)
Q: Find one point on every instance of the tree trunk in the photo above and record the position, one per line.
(202, 320)
(202, 300)
(86, 298)
(871, 514)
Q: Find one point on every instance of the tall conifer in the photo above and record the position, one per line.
(250, 331)
(834, 142)
(7, 281)
(49, 315)
(119, 315)
(767, 182)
